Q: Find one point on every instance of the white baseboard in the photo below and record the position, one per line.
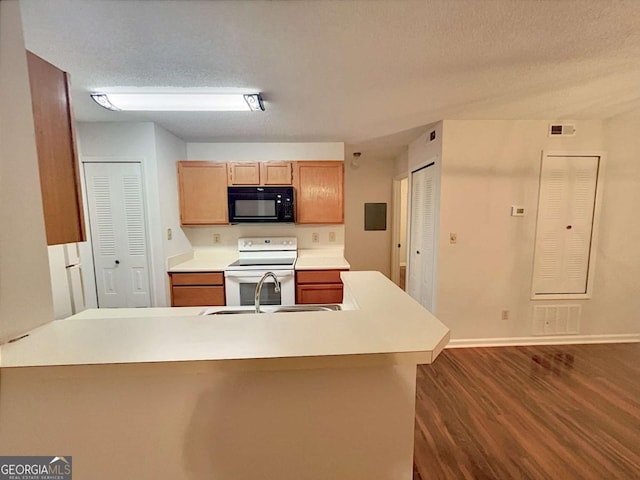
(542, 340)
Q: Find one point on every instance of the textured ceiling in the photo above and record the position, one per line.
(366, 73)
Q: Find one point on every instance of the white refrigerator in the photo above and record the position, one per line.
(66, 280)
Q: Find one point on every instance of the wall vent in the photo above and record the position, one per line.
(564, 130)
(556, 320)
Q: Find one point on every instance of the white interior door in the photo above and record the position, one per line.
(118, 234)
(566, 209)
(422, 236)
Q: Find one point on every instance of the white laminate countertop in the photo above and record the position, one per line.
(206, 261)
(386, 326)
(214, 260)
(321, 259)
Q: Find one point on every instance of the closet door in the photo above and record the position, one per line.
(422, 236)
(564, 232)
(118, 234)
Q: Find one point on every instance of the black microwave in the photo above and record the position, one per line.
(261, 204)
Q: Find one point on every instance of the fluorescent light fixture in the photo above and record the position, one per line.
(180, 101)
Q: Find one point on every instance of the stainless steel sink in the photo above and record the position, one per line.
(333, 307)
(309, 308)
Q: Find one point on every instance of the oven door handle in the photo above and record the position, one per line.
(248, 276)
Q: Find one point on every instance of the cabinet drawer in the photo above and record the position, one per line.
(319, 276)
(195, 296)
(330, 293)
(210, 278)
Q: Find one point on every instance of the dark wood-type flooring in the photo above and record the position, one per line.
(546, 412)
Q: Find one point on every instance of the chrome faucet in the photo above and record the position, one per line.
(259, 288)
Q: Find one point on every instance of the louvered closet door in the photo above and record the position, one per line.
(118, 234)
(422, 236)
(565, 224)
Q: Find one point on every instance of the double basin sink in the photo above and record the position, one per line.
(332, 307)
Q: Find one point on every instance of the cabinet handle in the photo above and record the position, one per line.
(418, 252)
(117, 262)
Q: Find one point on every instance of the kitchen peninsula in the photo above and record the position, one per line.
(168, 393)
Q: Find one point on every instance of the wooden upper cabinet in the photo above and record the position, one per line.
(244, 173)
(276, 173)
(203, 193)
(57, 157)
(260, 173)
(319, 192)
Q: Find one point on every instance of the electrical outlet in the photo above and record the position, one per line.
(315, 237)
(505, 314)
(169, 234)
(216, 238)
(453, 237)
(332, 236)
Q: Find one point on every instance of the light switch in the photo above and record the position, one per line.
(169, 234)
(517, 211)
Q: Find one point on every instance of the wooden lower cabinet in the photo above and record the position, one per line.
(197, 289)
(318, 286)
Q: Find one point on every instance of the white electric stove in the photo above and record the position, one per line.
(257, 256)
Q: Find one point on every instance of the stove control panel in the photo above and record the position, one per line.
(272, 244)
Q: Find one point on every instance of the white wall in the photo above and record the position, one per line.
(157, 151)
(487, 166)
(25, 291)
(169, 149)
(615, 306)
(371, 182)
(423, 148)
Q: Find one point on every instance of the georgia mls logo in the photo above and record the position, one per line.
(35, 468)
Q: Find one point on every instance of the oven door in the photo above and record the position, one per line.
(240, 287)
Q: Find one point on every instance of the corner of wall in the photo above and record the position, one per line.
(26, 299)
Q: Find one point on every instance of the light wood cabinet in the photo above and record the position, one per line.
(276, 173)
(203, 193)
(260, 173)
(319, 192)
(197, 289)
(57, 157)
(319, 286)
(244, 173)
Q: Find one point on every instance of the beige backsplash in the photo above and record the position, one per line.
(229, 234)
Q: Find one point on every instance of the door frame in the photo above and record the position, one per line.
(86, 248)
(396, 221)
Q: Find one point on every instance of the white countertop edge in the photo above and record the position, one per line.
(387, 324)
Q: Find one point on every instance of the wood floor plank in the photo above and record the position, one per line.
(540, 412)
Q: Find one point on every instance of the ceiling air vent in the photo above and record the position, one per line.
(564, 130)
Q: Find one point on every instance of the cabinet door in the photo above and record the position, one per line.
(203, 193)
(320, 293)
(319, 192)
(197, 296)
(57, 158)
(276, 173)
(197, 289)
(244, 173)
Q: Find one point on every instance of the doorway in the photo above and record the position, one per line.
(117, 221)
